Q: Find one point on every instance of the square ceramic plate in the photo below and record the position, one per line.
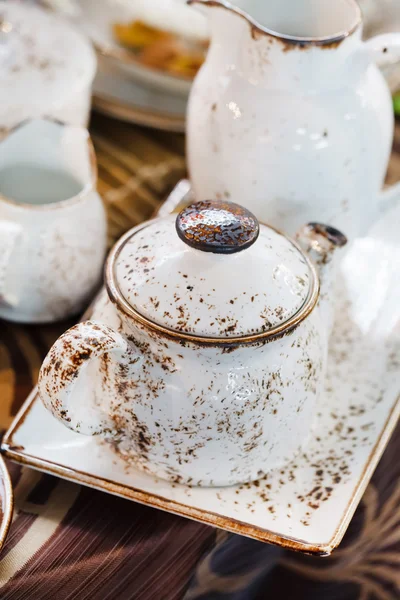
(307, 505)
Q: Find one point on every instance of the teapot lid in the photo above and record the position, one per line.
(44, 62)
(212, 272)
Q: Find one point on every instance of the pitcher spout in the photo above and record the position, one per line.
(305, 24)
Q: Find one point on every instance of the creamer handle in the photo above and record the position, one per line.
(10, 233)
(64, 367)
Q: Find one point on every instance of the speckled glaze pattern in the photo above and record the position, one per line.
(47, 67)
(51, 255)
(194, 410)
(217, 226)
(205, 294)
(317, 241)
(295, 130)
(308, 504)
(198, 415)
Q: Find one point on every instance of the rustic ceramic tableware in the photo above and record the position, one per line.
(212, 374)
(290, 114)
(47, 67)
(308, 504)
(52, 222)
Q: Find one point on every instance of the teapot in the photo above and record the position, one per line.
(290, 114)
(204, 358)
(52, 222)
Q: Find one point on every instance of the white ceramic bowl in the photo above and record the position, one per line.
(47, 67)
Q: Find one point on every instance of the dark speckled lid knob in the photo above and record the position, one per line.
(217, 226)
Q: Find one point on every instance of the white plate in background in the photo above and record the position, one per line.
(120, 97)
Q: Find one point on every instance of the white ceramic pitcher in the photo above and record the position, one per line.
(52, 222)
(290, 114)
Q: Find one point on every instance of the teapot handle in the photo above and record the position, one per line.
(63, 368)
(10, 234)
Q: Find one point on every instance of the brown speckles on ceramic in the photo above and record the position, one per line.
(62, 366)
(179, 289)
(217, 226)
(268, 74)
(190, 414)
(321, 243)
(323, 238)
(65, 240)
(304, 505)
(187, 408)
(288, 42)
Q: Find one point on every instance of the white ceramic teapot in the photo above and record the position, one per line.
(204, 360)
(290, 114)
(52, 222)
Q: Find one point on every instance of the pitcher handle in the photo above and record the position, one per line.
(390, 197)
(10, 233)
(384, 49)
(63, 367)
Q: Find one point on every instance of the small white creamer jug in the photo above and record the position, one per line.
(52, 222)
(290, 114)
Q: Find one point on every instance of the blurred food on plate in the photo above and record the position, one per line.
(174, 16)
(161, 49)
(158, 44)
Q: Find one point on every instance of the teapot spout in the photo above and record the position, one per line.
(321, 243)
